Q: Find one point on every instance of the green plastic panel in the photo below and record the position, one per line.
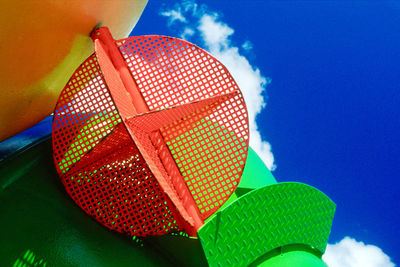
(265, 219)
(294, 259)
(255, 173)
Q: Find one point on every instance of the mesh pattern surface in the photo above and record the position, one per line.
(209, 143)
(265, 219)
(83, 116)
(166, 168)
(99, 163)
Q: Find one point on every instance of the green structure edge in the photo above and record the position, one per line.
(267, 218)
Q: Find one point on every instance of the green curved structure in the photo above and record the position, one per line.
(268, 218)
(293, 258)
(264, 223)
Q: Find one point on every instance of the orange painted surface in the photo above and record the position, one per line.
(42, 43)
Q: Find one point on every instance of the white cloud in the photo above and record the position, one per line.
(216, 38)
(187, 33)
(191, 6)
(173, 15)
(216, 35)
(247, 46)
(351, 253)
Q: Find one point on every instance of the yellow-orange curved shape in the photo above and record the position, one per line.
(42, 43)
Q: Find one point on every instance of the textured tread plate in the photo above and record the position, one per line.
(265, 219)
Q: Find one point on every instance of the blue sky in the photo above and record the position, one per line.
(322, 83)
(332, 113)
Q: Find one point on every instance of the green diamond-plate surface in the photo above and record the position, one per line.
(267, 218)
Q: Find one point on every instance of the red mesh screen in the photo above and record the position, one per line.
(84, 115)
(210, 144)
(167, 168)
(119, 190)
(99, 163)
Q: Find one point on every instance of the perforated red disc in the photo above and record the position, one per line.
(150, 135)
